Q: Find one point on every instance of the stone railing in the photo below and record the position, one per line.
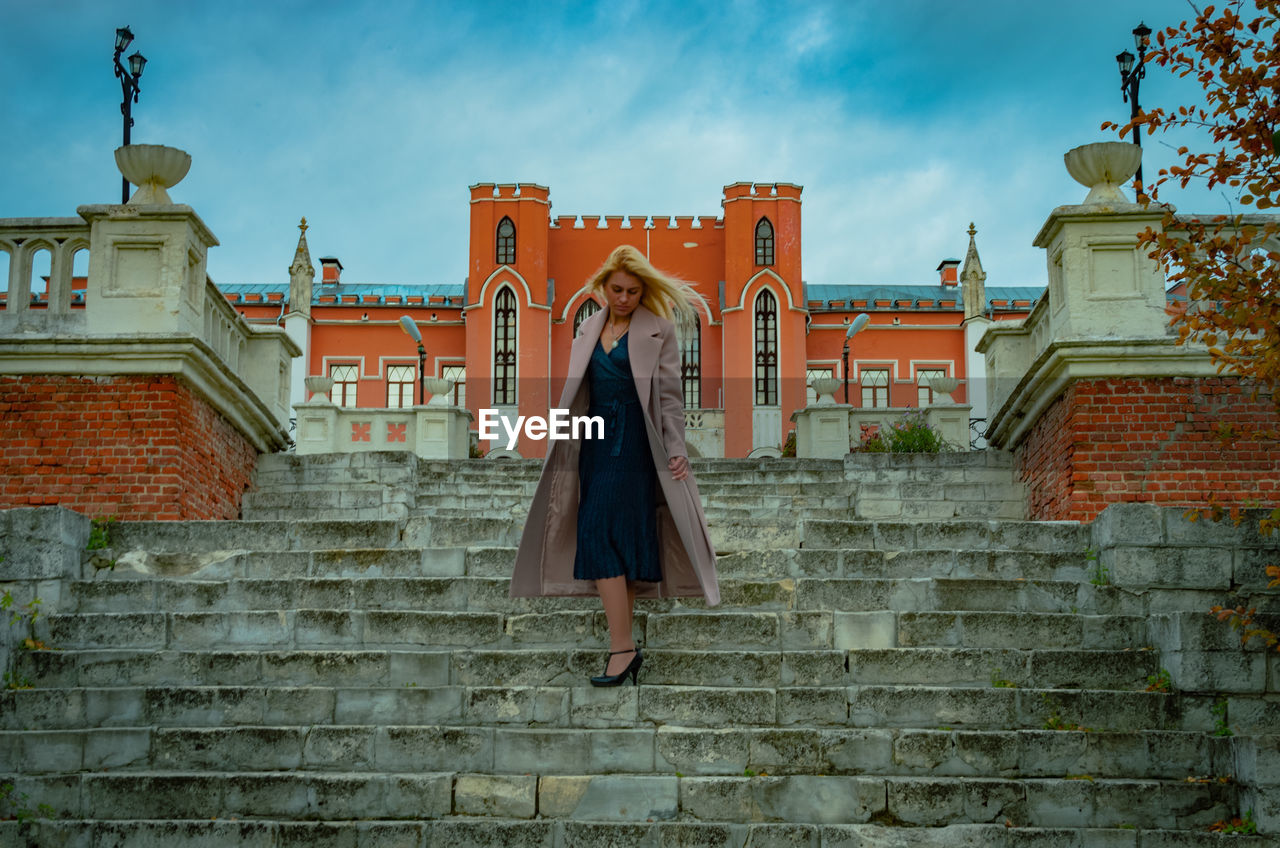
(431, 432)
(704, 432)
(148, 307)
(22, 239)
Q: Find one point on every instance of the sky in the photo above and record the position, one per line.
(904, 121)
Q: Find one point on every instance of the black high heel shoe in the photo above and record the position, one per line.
(632, 669)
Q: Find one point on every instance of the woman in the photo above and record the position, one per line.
(621, 516)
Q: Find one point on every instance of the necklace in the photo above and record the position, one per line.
(613, 329)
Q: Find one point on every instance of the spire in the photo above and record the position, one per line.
(301, 275)
(973, 279)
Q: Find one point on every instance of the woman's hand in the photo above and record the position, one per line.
(679, 467)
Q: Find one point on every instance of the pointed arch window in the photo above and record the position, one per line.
(504, 348)
(764, 242)
(506, 242)
(691, 366)
(766, 349)
(588, 308)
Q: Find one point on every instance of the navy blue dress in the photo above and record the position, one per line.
(617, 518)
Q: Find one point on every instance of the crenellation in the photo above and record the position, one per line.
(684, 222)
(708, 222)
(566, 222)
(533, 191)
(763, 190)
(737, 190)
(506, 191)
(613, 222)
(591, 222)
(788, 190)
(638, 222)
(662, 222)
(482, 191)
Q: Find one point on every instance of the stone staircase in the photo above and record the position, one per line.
(367, 681)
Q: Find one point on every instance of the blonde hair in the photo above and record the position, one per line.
(665, 296)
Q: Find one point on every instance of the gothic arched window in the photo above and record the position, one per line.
(766, 349)
(764, 242)
(504, 348)
(506, 242)
(691, 366)
(588, 308)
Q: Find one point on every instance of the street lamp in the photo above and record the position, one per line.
(129, 88)
(859, 321)
(406, 324)
(1130, 76)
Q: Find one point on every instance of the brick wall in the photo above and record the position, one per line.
(135, 447)
(1170, 441)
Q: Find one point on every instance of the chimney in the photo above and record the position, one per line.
(947, 269)
(331, 270)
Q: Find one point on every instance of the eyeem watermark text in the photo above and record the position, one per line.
(559, 425)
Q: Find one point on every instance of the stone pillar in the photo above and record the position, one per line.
(822, 430)
(146, 269)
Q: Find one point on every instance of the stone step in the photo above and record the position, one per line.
(491, 594)
(490, 832)
(667, 749)
(497, 561)
(801, 799)
(563, 697)
(676, 628)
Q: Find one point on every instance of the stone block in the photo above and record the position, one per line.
(181, 834)
(590, 706)
(796, 751)
(702, 751)
(864, 630)
(504, 795)
(621, 751)
(516, 705)
(1128, 524)
(228, 749)
(41, 542)
(856, 751)
(1060, 803)
(50, 751)
(490, 834)
(826, 705)
(108, 749)
(805, 631)
(427, 748)
(539, 751)
(146, 796)
(610, 798)
(1218, 671)
(556, 628)
(417, 795)
(709, 706)
(344, 748)
(714, 630)
(434, 629)
(1174, 568)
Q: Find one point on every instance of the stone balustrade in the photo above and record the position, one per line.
(431, 432)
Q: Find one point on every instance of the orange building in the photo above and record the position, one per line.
(503, 335)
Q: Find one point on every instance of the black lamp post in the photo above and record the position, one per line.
(129, 88)
(1130, 76)
(407, 324)
(857, 324)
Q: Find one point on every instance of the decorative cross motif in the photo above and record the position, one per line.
(360, 431)
(396, 432)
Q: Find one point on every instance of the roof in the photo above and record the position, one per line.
(1023, 296)
(279, 292)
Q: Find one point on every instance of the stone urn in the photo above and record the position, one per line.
(439, 388)
(826, 387)
(319, 388)
(153, 168)
(1103, 167)
(942, 388)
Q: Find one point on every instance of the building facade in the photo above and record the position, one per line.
(503, 335)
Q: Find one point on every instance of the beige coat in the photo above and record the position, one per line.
(544, 563)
